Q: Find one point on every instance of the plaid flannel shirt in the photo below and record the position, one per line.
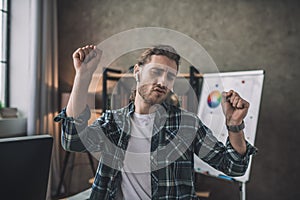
(181, 131)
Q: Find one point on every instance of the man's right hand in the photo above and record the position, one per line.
(86, 60)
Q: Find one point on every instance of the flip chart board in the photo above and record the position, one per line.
(249, 85)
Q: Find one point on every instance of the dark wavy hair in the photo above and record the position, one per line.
(164, 50)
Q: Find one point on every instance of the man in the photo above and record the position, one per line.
(147, 147)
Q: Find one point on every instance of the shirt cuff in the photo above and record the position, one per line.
(81, 119)
(250, 150)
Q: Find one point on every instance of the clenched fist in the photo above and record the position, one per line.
(234, 107)
(86, 60)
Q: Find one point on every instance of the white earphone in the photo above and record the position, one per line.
(137, 77)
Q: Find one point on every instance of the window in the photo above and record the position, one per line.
(4, 98)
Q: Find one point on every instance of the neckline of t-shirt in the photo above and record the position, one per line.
(144, 116)
(143, 120)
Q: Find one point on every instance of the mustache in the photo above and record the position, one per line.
(160, 88)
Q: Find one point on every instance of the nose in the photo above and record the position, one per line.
(162, 80)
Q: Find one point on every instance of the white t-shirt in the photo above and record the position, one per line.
(136, 174)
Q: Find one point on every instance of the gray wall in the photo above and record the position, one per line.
(239, 35)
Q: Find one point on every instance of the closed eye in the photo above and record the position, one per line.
(157, 72)
(171, 76)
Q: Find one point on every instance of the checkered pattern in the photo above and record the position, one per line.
(177, 135)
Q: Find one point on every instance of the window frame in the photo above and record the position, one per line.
(5, 37)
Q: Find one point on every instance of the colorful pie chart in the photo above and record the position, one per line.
(214, 99)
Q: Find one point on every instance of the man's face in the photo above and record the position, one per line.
(156, 79)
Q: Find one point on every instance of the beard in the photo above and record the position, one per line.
(153, 93)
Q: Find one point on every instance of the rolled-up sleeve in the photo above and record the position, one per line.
(238, 163)
(71, 127)
(222, 157)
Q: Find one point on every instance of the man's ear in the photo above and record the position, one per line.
(136, 68)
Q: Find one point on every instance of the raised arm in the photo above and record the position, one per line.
(235, 110)
(85, 61)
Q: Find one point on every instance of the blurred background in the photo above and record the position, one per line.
(238, 34)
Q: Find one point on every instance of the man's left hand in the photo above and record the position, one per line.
(234, 107)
